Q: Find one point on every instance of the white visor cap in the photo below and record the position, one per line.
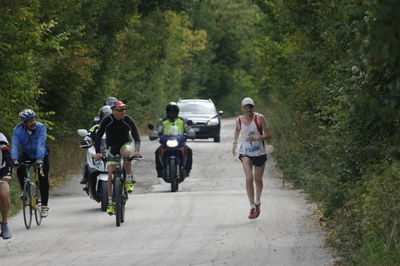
(247, 101)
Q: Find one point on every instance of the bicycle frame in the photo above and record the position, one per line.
(120, 195)
(31, 200)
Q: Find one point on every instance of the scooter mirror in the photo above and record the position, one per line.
(82, 132)
(150, 126)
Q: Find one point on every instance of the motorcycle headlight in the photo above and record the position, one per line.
(213, 122)
(172, 143)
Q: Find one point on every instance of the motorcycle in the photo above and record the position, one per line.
(172, 156)
(96, 170)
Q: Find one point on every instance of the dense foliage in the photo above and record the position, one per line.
(335, 110)
(326, 71)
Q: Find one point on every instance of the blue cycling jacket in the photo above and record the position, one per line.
(34, 145)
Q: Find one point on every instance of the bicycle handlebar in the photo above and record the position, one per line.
(117, 158)
(30, 164)
(27, 164)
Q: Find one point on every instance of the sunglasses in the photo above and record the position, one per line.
(248, 106)
(119, 110)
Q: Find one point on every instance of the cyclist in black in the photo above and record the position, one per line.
(120, 130)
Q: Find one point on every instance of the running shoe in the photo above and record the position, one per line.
(258, 209)
(5, 232)
(253, 213)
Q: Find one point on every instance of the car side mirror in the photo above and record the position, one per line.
(220, 113)
(150, 126)
(189, 122)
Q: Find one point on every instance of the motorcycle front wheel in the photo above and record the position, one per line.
(173, 177)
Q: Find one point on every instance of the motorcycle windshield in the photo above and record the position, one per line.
(173, 131)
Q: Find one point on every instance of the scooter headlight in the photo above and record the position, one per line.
(172, 143)
(99, 165)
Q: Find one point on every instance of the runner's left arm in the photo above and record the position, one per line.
(266, 133)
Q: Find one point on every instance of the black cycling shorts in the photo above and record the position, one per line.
(255, 160)
(4, 172)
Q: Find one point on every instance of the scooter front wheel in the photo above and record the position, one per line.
(104, 195)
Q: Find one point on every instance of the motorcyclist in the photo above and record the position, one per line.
(163, 126)
(88, 140)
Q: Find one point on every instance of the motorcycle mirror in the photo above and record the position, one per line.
(189, 122)
(82, 132)
(150, 126)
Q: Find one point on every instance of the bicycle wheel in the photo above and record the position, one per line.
(38, 205)
(118, 199)
(27, 205)
(123, 201)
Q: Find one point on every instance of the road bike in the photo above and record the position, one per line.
(120, 195)
(31, 199)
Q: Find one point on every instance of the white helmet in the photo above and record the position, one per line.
(110, 101)
(105, 110)
(26, 115)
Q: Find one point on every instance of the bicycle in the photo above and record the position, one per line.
(120, 195)
(31, 198)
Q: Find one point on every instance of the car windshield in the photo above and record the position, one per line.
(197, 108)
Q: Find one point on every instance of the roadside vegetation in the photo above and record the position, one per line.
(326, 72)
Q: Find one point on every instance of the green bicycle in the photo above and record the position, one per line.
(31, 200)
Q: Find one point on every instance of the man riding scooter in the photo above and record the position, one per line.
(163, 126)
(88, 141)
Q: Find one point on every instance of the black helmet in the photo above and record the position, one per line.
(110, 101)
(172, 107)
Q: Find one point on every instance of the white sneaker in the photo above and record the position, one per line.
(44, 211)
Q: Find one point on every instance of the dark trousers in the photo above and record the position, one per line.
(43, 180)
(187, 166)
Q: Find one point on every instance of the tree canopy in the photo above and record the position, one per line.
(326, 73)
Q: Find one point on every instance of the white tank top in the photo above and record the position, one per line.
(253, 148)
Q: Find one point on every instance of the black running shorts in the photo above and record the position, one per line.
(255, 160)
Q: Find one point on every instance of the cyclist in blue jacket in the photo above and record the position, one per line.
(31, 137)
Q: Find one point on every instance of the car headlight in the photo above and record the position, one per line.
(172, 143)
(213, 122)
